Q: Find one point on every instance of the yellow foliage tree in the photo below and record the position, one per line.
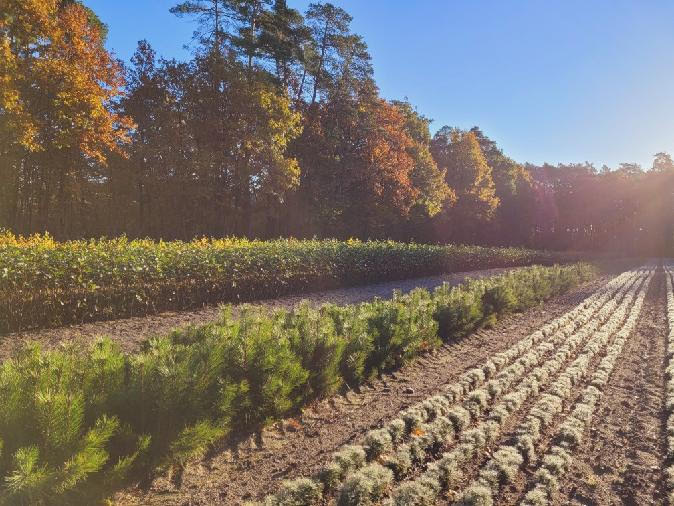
(468, 173)
(57, 85)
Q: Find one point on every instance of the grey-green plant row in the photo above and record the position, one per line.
(365, 474)
(669, 399)
(568, 436)
(510, 456)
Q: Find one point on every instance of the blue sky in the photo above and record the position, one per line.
(556, 81)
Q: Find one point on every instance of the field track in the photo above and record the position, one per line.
(301, 447)
(131, 332)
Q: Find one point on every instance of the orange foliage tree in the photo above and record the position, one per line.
(56, 122)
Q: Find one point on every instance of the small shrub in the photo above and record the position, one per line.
(477, 495)
(536, 497)
(414, 494)
(350, 458)
(499, 299)
(458, 311)
(400, 462)
(313, 338)
(366, 486)
(331, 475)
(378, 442)
(299, 492)
(397, 429)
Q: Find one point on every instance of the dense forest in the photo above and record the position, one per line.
(274, 127)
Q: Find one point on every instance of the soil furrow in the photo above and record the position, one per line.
(511, 492)
(621, 460)
(470, 469)
(514, 492)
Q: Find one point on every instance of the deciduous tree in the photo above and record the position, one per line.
(58, 83)
(467, 172)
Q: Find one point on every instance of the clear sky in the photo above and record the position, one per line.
(555, 81)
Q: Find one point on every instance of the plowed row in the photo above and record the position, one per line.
(529, 405)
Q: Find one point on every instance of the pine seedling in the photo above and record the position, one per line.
(400, 462)
(30, 481)
(414, 494)
(378, 442)
(396, 429)
(298, 492)
(366, 486)
(477, 495)
(350, 458)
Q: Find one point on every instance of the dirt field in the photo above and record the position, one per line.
(620, 461)
(599, 350)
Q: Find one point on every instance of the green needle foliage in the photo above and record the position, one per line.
(46, 283)
(75, 423)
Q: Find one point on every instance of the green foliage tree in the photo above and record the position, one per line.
(329, 28)
(663, 163)
(513, 184)
(468, 173)
(274, 126)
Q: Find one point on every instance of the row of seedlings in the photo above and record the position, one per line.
(557, 459)
(669, 396)
(445, 473)
(504, 465)
(405, 439)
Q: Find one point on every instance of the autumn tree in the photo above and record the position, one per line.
(380, 190)
(469, 175)
(58, 128)
(274, 126)
(513, 185)
(357, 169)
(366, 164)
(433, 193)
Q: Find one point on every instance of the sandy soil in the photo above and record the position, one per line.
(621, 461)
(132, 332)
(231, 475)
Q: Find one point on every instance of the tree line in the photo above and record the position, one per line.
(274, 127)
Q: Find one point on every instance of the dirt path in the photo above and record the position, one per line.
(132, 332)
(621, 460)
(233, 475)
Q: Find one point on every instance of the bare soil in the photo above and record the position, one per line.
(130, 333)
(514, 492)
(621, 460)
(233, 474)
